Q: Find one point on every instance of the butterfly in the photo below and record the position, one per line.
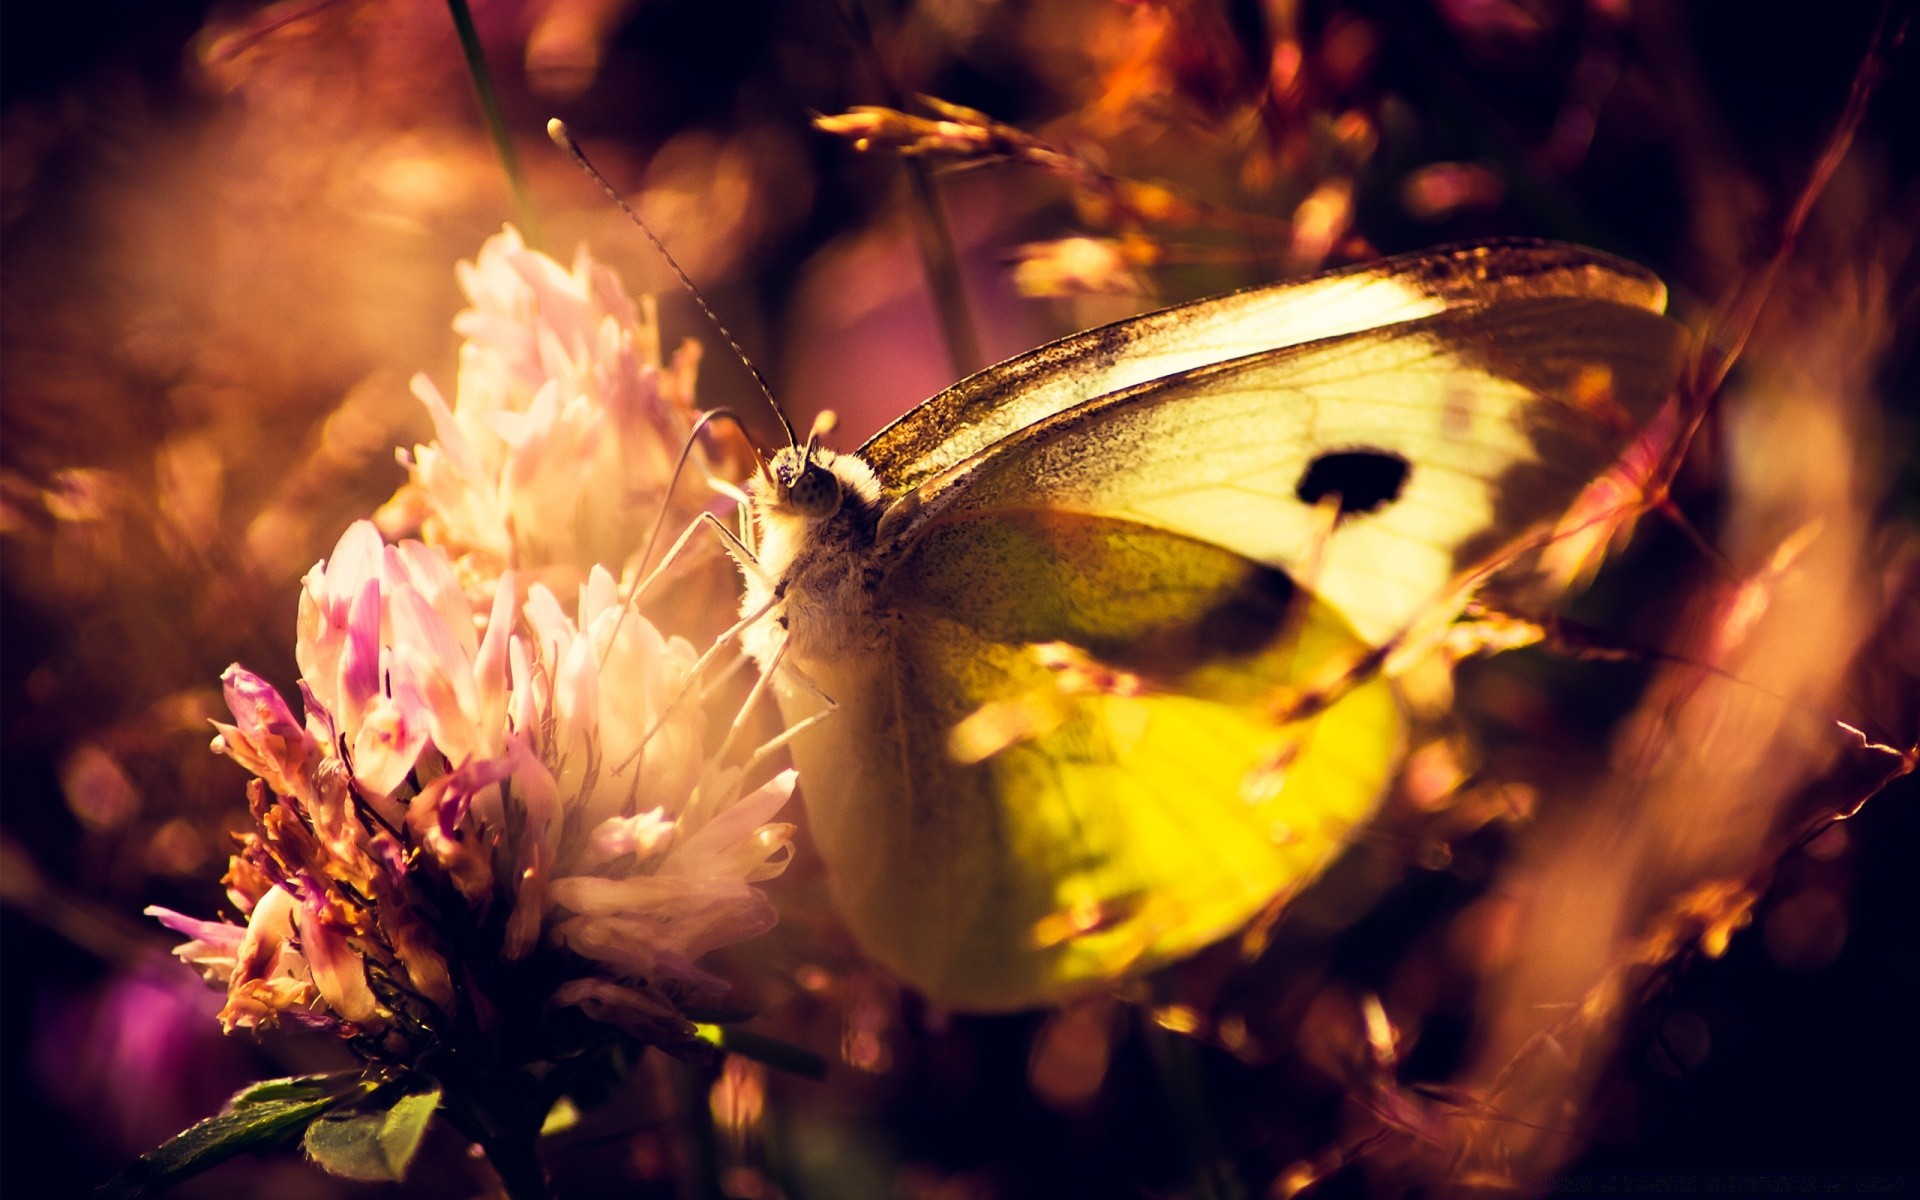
(1031, 635)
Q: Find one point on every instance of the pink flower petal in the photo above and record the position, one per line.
(213, 946)
(436, 822)
(724, 845)
(356, 558)
(640, 835)
(453, 444)
(635, 1008)
(539, 797)
(429, 573)
(265, 738)
(268, 929)
(490, 664)
(386, 746)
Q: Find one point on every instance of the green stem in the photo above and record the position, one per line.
(505, 1123)
(694, 1084)
(772, 1052)
(496, 120)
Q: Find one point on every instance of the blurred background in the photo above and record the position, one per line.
(229, 238)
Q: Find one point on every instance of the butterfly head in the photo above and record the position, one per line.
(813, 483)
(803, 483)
(810, 482)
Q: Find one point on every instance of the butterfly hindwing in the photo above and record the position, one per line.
(1074, 718)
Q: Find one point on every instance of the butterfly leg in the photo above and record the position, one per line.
(779, 742)
(736, 549)
(746, 536)
(754, 696)
(728, 542)
(828, 706)
(693, 678)
(775, 744)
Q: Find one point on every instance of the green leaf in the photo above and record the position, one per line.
(783, 1056)
(257, 1118)
(297, 1087)
(373, 1145)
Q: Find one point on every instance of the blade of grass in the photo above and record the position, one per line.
(1183, 1087)
(942, 263)
(938, 256)
(496, 120)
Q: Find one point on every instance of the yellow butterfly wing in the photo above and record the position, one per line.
(1110, 821)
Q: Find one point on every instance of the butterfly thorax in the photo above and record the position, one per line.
(816, 569)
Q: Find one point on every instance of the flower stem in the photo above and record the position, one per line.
(1176, 1060)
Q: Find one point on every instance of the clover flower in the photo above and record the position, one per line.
(510, 818)
(565, 427)
(480, 816)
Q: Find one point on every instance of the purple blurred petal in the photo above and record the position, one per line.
(214, 933)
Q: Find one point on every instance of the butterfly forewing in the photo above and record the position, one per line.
(1484, 420)
(1004, 399)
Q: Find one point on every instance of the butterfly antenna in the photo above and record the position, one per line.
(557, 130)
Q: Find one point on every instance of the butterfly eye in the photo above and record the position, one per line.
(1364, 480)
(815, 492)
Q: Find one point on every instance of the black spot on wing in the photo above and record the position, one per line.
(1364, 480)
(1246, 618)
(1241, 619)
(1141, 599)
